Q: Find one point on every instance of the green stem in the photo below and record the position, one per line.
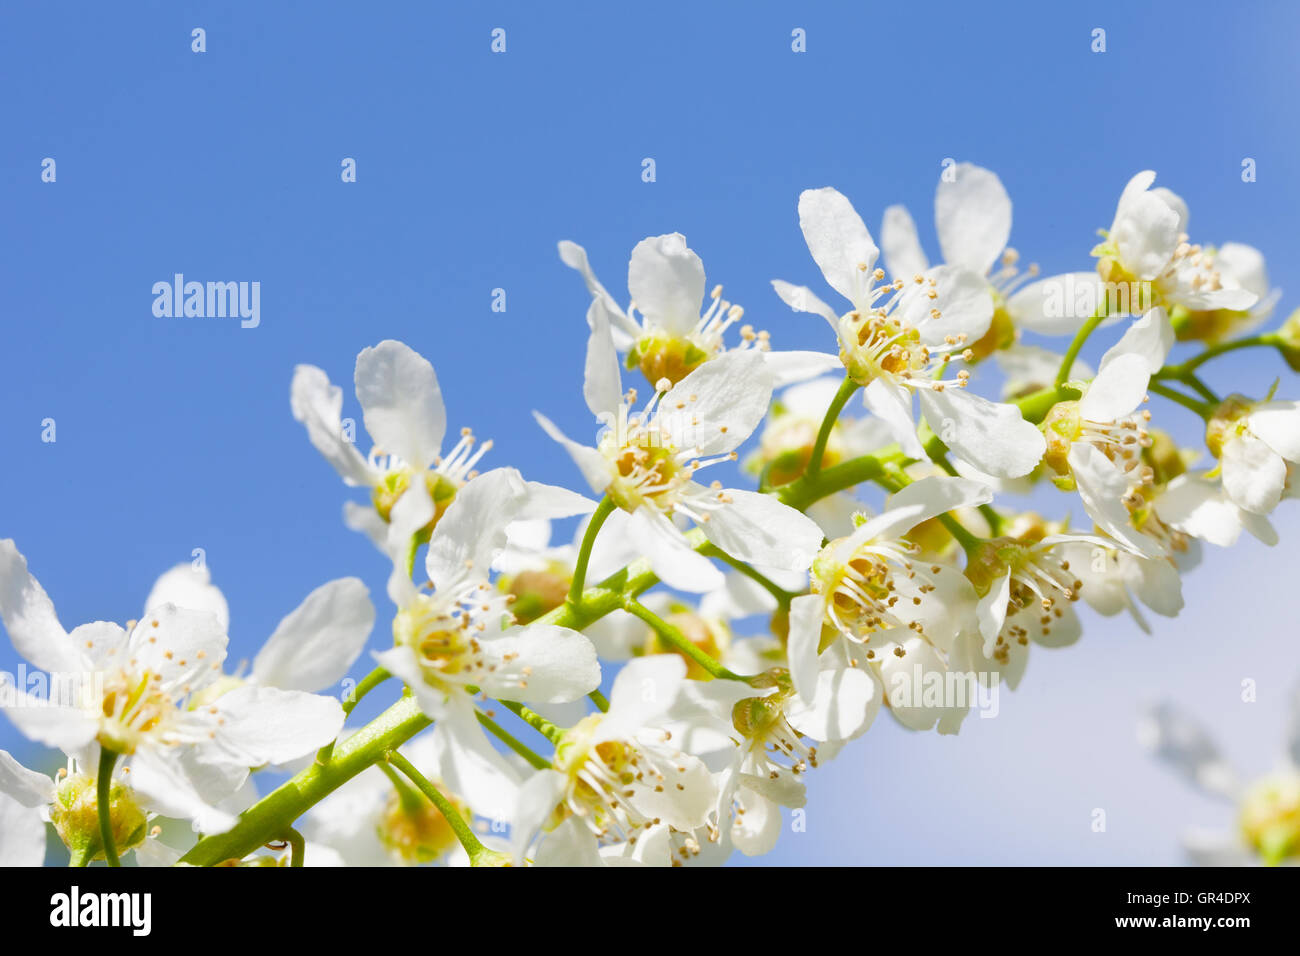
(783, 597)
(366, 685)
(103, 805)
(538, 762)
(599, 700)
(1201, 408)
(535, 720)
(297, 846)
(1207, 393)
(1072, 353)
(266, 820)
(603, 511)
(808, 490)
(846, 390)
(679, 640)
(1267, 339)
(476, 850)
(966, 539)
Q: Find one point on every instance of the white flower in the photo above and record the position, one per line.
(404, 414)
(1147, 242)
(900, 337)
(1200, 507)
(1117, 580)
(1267, 811)
(69, 802)
(133, 693)
(892, 612)
(646, 463)
(459, 639)
(312, 647)
(1098, 441)
(1027, 588)
(617, 773)
(670, 338)
(1254, 442)
(972, 216)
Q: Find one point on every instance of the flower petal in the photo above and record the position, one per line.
(1146, 228)
(802, 299)
(844, 703)
(992, 436)
(540, 662)
(1117, 390)
(718, 406)
(317, 405)
(315, 644)
(1277, 424)
(472, 531)
(671, 557)
(27, 787)
(1151, 337)
(759, 529)
(402, 402)
(189, 587)
(839, 242)
(1102, 486)
(266, 725)
(602, 384)
(972, 213)
(1057, 305)
(805, 633)
(22, 834)
(892, 404)
(29, 615)
(590, 462)
(666, 281)
(1253, 474)
(643, 692)
(901, 249)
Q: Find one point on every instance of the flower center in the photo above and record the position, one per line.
(447, 476)
(134, 705)
(445, 635)
(863, 591)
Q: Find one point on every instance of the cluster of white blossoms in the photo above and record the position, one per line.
(654, 690)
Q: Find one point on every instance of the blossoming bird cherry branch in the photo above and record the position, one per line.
(705, 736)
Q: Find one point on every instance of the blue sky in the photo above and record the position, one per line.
(175, 434)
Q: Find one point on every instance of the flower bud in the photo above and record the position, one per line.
(1270, 817)
(75, 815)
(1164, 456)
(1288, 340)
(661, 357)
(712, 637)
(536, 592)
(414, 829)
